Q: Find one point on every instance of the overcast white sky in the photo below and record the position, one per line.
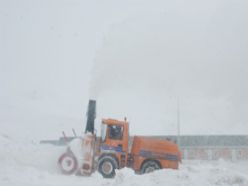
(135, 57)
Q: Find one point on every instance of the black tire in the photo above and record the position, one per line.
(107, 165)
(150, 166)
(67, 163)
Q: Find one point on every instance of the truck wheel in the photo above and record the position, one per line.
(107, 166)
(68, 163)
(149, 166)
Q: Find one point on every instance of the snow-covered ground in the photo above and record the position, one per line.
(27, 163)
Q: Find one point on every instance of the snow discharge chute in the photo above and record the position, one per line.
(91, 115)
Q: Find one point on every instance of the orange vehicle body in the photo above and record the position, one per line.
(115, 150)
(164, 152)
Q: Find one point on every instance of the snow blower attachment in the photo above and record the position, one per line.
(111, 150)
(68, 162)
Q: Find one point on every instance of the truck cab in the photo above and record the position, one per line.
(147, 154)
(113, 151)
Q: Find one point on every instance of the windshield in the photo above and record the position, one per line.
(103, 132)
(115, 132)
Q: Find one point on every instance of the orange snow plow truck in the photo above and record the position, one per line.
(112, 151)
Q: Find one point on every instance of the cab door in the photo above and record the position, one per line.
(116, 143)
